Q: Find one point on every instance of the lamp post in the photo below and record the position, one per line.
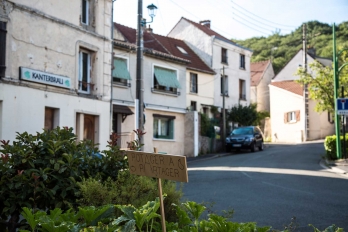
(139, 101)
(337, 71)
(223, 109)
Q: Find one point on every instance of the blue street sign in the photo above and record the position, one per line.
(342, 106)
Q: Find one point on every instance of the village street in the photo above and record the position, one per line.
(272, 186)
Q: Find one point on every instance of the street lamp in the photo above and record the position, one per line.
(139, 101)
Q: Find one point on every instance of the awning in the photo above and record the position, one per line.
(120, 69)
(122, 110)
(166, 77)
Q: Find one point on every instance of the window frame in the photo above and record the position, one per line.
(121, 81)
(292, 116)
(193, 83)
(170, 127)
(162, 88)
(88, 72)
(54, 117)
(85, 10)
(193, 106)
(224, 56)
(242, 89)
(242, 61)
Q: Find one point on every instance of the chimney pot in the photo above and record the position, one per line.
(149, 29)
(205, 23)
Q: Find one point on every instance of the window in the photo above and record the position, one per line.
(292, 116)
(2, 48)
(183, 51)
(87, 127)
(193, 83)
(120, 72)
(205, 110)
(224, 81)
(242, 93)
(163, 126)
(84, 72)
(165, 80)
(193, 106)
(51, 118)
(224, 55)
(242, 61)
(85, 12)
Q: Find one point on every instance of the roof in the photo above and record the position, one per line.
(257, 70)
(207, 30)
(290, 86)
(158, 44)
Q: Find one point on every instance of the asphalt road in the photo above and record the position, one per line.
(272, 186)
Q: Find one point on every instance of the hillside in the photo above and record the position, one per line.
(319, 36)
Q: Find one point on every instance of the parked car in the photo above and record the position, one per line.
(249, 137)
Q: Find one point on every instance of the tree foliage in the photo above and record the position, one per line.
(319, 36)
(246, 115)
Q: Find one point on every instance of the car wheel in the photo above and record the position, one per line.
(261, 146)
(253, 147)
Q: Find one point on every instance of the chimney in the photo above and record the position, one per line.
(205, 23)
(148, 29)
(311, 51)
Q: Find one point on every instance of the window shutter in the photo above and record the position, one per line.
(297, 113)
(285, 117)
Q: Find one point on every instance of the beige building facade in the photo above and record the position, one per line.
(57, 70)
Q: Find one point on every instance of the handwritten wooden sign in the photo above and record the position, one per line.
(170, 167)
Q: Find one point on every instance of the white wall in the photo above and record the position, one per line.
(23, 109)
(283, 101)
(319, 126)
(262, 91)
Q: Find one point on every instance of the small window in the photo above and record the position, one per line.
(85, 8)
(205, 110)
(224, 55)
(165, 80)
(163, 127)
(183, 51)
(224, 78)
(242, 61)
(51, 118)
(84, 72)
(242, 90)
(2, 48)
(120, 72)
(193, 83)
(292, 117)
(193, 106)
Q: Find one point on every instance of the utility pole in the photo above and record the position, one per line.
(305, 91)
(139, 101)
(112, 67)
(223, 108)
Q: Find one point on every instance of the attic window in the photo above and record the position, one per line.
(182, 50)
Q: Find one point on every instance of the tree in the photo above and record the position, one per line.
(246, 115)
(321, 85)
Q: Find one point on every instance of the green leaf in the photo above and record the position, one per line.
(56, 166)
(24, 161)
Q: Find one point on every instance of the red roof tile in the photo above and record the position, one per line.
(166, 45)
(290, 86)
(256, 71)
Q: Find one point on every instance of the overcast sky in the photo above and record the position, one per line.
(235, 19)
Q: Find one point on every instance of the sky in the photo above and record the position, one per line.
(235, 19)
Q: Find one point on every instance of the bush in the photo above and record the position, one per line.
(330, 146)
(129, 189)
(41, 171)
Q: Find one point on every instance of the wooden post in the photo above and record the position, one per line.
(161, 198)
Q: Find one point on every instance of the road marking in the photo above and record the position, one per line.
(321, 173)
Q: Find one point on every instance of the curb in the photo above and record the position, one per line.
(323, 163)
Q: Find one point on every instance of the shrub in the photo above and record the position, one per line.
(41, 171)
(129, 189)
(330, 146)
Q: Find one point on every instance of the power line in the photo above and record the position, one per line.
(250, 27)
(251, 22)
(259, 16)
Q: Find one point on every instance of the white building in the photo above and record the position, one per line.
(57, 70)
(223, 56)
